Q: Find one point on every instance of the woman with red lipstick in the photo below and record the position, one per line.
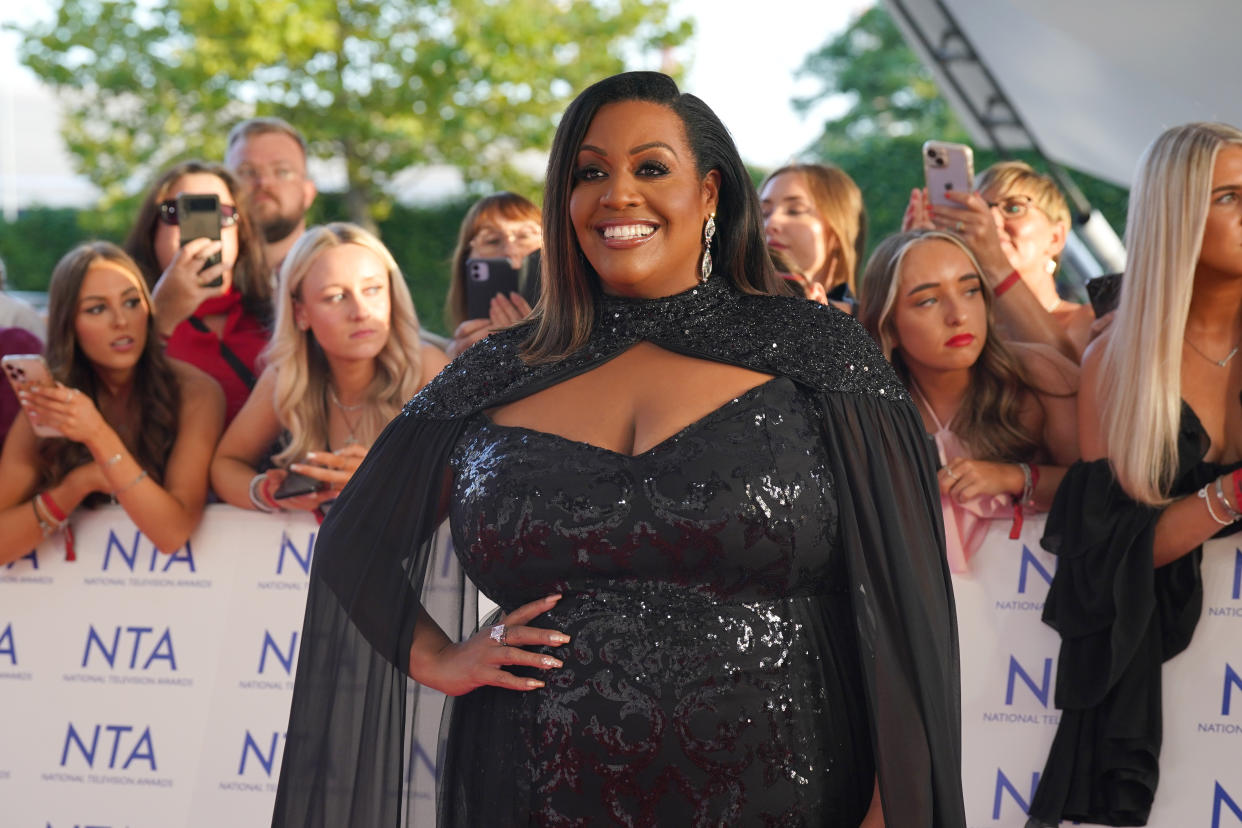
(707, 514)
(137, 427)
(1003, 415)
(213, 316)
(813, 214)
(345, 355)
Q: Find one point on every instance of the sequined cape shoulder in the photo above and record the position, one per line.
(344, 765)
(815, 345)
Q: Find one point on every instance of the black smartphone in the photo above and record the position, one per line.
(484, 279)
(296, 484)
(198, 216)
(1104, 292)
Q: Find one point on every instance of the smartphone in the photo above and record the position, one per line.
(484, 279)
(26, 372)
(947, 166)
(296, 483)
(1105, 293)
(198, 216)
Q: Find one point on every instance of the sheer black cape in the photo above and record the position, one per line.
(348, 741)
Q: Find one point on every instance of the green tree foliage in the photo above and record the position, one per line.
(381, 84)
(421, 240)
(893, 106)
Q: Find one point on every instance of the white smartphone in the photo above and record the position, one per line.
(947, 166)
(26, 372)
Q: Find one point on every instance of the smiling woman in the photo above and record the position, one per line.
(707, 515)
(134, 425)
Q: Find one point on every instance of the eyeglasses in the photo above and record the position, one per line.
(251, 175)
(493, 241)
(1014, 206)
(168, 214)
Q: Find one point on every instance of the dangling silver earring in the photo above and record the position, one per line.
(1051, 266)
(709, 232)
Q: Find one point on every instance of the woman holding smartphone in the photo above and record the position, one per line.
(137, 427)
(499, 226)
(345, 355)
(1002, 414)
(212, 299)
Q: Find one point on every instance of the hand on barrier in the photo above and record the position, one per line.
(461, 667)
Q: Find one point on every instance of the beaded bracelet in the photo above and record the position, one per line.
(256, 494)
(1008, 282)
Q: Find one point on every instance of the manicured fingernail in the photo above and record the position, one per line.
(558, 638)
(549, 661)
(554, 597)
(534, 683)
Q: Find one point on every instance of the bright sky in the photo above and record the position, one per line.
(741, 62)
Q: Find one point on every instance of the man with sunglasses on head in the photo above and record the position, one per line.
(268, 157)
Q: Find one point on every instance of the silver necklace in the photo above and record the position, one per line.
(1219, 363)
(352, 438)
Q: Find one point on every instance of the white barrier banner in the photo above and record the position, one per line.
(1009, 662)
(147, 690)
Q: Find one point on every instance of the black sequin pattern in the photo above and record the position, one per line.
(711, 679)
(713, 321)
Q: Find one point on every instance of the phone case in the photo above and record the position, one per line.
(30, 371)
(484, 279)
(947, 166)
(198, 216)
(296, 484)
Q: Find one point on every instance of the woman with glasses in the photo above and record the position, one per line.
(500, 226)
(1017, 222)
(211, 299)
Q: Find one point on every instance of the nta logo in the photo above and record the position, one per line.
(134, 647)
(1028, 561)
(125, 750)
(129, 557)
(285, 657)
(1003, 785)
(266, 760)
(1040, 689)
(303, 558)
(8, 646)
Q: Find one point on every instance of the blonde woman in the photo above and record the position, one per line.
(813, 215)
(345, 356)
(1002, 414)
(1161, 443)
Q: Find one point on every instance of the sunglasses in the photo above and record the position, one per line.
(168, 214)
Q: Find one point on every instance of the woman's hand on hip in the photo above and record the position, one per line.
(481, 659)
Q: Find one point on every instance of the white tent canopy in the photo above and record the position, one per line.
(1093, 81)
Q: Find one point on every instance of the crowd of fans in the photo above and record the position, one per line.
(311, 340)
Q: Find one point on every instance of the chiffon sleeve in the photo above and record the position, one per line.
(351, 719)
(883, 468)
(1119, 619)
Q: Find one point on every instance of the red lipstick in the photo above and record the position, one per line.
(960, 341)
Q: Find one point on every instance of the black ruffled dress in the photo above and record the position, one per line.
(761, 613)
(1119, 619)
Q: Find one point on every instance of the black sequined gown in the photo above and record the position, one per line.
(761, 609)
(712, 678)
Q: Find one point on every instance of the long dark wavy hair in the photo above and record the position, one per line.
(249, 272)
(155, 400)
(570, 285)
(988, 420)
